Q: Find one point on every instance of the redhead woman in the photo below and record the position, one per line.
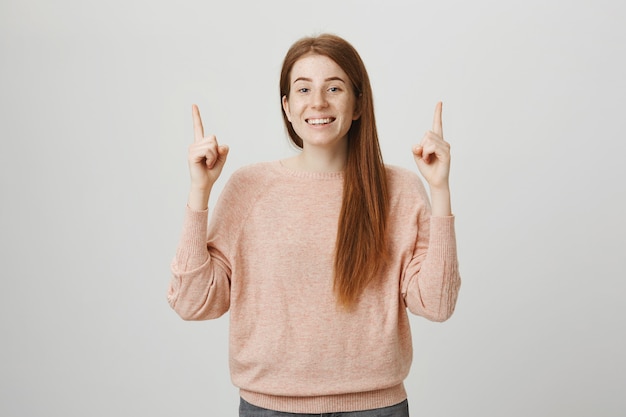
(319, 258)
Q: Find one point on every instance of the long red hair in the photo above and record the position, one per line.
(361, 249)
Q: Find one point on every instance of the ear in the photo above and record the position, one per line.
(286, 108)
(358, 107)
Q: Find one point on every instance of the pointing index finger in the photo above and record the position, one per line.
(437, 123)
(198, 130)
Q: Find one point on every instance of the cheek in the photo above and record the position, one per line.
(292, 110)
(296, 109)
(351, 109)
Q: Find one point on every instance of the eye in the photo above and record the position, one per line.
(334, 89)
(303, 90)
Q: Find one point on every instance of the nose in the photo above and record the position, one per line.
(319, 99)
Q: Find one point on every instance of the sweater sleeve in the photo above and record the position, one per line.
(201, 270)
(431, 281)
(199, 288)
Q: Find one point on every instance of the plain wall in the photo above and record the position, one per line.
(95, 121)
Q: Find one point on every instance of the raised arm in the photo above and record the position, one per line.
(432, 280)
(200, 285)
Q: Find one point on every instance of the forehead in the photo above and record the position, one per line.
(317, 67)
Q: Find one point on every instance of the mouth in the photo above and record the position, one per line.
(320, 122)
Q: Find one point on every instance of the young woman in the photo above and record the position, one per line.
(319, 256)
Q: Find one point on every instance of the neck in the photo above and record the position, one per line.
(315, 159)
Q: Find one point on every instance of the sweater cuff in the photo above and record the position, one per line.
(192, 249)
(442, 236)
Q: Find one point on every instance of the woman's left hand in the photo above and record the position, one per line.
(432, 155)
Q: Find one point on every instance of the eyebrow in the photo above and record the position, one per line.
(326, 80)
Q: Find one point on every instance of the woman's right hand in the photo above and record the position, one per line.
(206, 159)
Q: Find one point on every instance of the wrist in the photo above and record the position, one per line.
(443, 189)
(199, 198)
(440, 202)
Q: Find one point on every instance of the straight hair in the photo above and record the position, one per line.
(361, 247)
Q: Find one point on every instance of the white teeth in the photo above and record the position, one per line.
(319, 121)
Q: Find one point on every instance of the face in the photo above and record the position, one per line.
(321, 104)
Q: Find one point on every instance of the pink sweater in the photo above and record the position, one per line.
(269, 260)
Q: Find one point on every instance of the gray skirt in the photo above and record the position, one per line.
(399, 410)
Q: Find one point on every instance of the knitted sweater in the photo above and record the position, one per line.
(269, 260)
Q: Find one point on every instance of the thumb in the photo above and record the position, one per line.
(418, 154)
(222, 152)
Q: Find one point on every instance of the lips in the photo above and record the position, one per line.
(320, 121)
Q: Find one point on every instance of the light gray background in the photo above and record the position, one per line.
(95, 120)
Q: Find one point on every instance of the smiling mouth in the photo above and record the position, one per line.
(318, 122)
